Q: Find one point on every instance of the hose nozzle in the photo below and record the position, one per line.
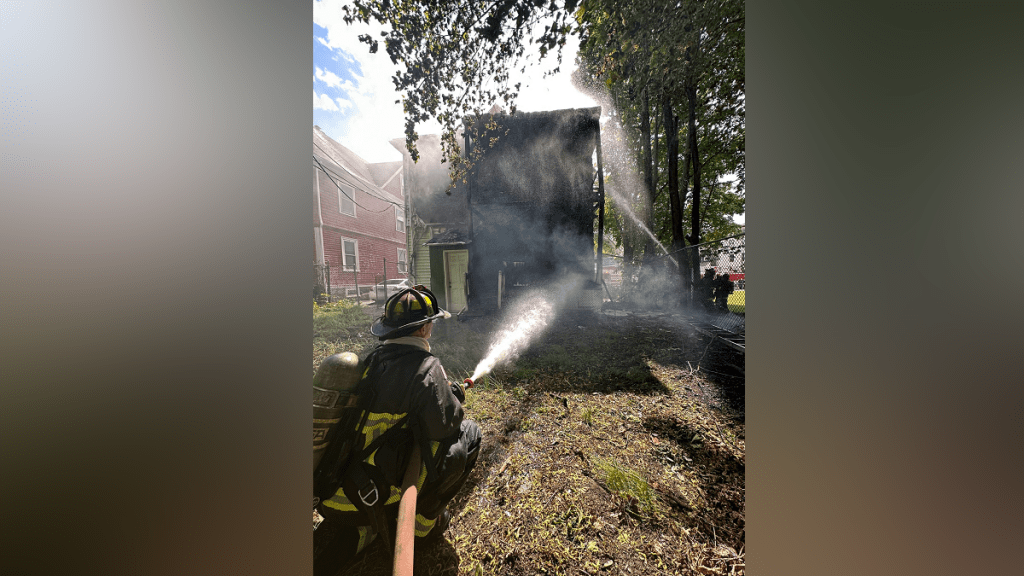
(468, 382)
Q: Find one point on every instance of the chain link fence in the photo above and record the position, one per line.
(717, 281)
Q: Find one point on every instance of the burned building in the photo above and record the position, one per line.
(533, 201)
(526, 215)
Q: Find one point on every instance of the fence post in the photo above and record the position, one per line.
(327, 271)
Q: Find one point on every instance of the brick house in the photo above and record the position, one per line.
(359, 219)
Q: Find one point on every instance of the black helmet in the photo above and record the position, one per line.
(406, 311)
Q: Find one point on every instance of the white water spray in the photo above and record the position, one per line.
(509, 343)
(626, 173)
(623, 205)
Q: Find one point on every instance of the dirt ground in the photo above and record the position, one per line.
(613, 445)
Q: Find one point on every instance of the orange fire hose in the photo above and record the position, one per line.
(405, 531)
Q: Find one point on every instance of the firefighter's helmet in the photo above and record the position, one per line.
(407, 311)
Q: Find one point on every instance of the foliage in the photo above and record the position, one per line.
(648, 63)
(456, 56)
(636, 54)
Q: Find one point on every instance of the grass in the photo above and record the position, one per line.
(588, 416)
(340, 327)
(737, 302)
(629, 485)
(589, 463)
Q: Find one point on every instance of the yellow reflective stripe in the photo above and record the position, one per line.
(424, 526)
(326, 420)
(377, 424)
(340, 502)
(396, 495)
(423, 469)
(366, 536)
(376, 419)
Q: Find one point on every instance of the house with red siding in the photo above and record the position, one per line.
(359, 219)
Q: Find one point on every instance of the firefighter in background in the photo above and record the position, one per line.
(706, 289)
(414, 403)
(723, 287)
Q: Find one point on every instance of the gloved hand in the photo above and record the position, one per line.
(458, 391)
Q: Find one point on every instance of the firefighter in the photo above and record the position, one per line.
(413, 404)
(723, 287)
(706, 288)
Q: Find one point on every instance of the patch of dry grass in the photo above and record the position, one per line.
(605, 451)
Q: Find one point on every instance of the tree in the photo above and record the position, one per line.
(687, 57)
(667, 72)
(455, 56)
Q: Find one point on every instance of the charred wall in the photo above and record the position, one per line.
(532, 201)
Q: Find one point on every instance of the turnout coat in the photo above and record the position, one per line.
(414, 402)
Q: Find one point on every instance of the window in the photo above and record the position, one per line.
(349, 255)
(400, 219)
(401, 260)
(346, 200)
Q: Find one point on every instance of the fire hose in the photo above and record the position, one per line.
(405, 528)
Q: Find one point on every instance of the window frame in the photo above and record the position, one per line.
(399, 219)
(355, 245)
(342, 198)
(403, 257)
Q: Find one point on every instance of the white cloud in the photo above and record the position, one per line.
(324, 102)
(327, 77)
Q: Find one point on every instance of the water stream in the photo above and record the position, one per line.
(513, 340)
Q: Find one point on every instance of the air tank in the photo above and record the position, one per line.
(334, 388)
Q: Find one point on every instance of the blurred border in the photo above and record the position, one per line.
(883, 408)
(155, 305)
(154, 298)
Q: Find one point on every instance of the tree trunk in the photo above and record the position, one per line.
(694, 161)
(672, 153)
(654, 163)
(648, 192)
(687, 264)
